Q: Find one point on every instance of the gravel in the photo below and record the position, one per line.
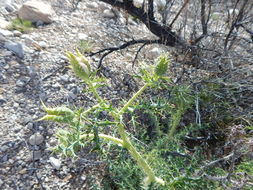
(33, 67)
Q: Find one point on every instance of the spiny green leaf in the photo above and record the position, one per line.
(79, 65)
(162, 66)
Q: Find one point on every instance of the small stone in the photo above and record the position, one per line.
(56, 163)
(2, 100)
(154, 53)
(43, 44)
(82, 36)
(35, 155)
(1, 182)
(9, 7)
(23, 171)
(20, 83)
(64, 78)
(36, 139)
(92, 5)
(31, 71)
(6, 33)
(5, 158)
(17, 33)
(15, 47)
(107, 13)
(4, 148)
(71, 95)
(3, 23)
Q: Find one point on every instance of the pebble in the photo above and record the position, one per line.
(35, 155)
(82, 36)
(6, 33)
(43, 44)
(17, 33)
(56, 163)
(92, 5)
(71, 95)
(64, 78)
(1, 182)
(4, 148)
(36, 139)
(20, 83)
(2, 100)
(154, 53)
(107, 13)
(3, 23)
(15, 47)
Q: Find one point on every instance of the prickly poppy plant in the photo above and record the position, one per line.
(85, 125)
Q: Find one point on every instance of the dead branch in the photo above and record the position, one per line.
(123, 46)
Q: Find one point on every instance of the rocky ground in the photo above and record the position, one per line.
(39, 72)
(33, 67)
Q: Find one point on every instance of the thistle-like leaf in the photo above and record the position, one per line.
(79, 65)
(58, 114)
(162, 65)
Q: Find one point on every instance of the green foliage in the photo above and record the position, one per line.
(182, 99)
(85, 46)
(170, 161)
(21, 25)
(163, 113)
(82, 122)
(162, 66)
(80, 65)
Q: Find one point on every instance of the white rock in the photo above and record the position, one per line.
(92, 5)
(43, 44)
(36, 139)
(35, 11)
(15, 47)
(154, 53)
(17, 33)
(138, 3)
(6, 33)
(82, 36)
(56, 163)
(102, 6)
(160, 4)
(3, 23)
(107, 13)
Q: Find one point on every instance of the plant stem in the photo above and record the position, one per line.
(103, 136)
(133, 98)
(129, 146)
(90, 109)
(176, 117)
(136, 155)
(94, 91)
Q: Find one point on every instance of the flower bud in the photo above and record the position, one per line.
(162, 65)
(79, 65)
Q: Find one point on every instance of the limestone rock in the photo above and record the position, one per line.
(34, 11)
